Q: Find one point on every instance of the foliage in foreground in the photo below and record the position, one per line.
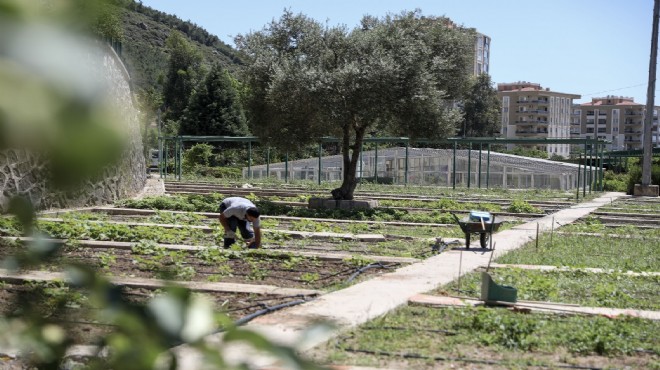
(52, 108)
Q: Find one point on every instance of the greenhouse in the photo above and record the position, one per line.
(423, 166)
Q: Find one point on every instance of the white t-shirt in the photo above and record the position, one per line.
(237, 206)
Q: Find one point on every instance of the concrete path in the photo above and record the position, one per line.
(362, 302)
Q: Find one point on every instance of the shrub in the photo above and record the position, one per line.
(521, 206)
(615, 181)
(197, 155)
(635, 176)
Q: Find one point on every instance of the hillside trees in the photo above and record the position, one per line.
(399, 73)
(214, 108)
(184, 69)
(481, 108)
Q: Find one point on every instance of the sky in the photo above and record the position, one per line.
(592, 48)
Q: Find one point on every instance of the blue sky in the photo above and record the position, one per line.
(588, 47)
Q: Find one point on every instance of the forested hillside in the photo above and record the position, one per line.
(144, 50)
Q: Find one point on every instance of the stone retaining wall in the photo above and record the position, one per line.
(23, 173)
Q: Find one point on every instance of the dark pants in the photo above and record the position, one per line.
(234, 223)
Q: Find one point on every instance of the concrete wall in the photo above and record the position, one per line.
(22, 172)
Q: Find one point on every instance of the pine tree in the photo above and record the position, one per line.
(182, 75)
(214, 108)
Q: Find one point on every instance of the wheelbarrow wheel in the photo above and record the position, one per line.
(484, 238)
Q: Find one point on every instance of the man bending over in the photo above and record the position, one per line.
(240, 212)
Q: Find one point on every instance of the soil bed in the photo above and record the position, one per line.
(80, 320)
(211, 265)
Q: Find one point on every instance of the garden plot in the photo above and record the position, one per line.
(386, 192)
(639, 212)
(403, 239)
(53, 300)
(402, 201)
(560, 272)
(146, 259)
(204, 236)
(175, 266)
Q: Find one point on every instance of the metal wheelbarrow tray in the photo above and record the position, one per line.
(485, 229)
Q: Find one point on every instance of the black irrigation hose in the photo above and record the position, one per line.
(245, 319)
(259, 302)
(459, 359)
(371, 265)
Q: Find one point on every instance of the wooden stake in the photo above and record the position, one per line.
(537, 235)
(492, 251)
(552, 230)
(460, 263)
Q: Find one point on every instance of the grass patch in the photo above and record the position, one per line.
(614, 290)
(429, 337)
(585, 251)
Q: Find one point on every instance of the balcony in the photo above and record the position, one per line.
(532, 109)
(531, 123)
(532, 134)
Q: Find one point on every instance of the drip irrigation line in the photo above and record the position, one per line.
(260, 302)
(369, 266)
(342, 272)
(457, 359)
(245, 319)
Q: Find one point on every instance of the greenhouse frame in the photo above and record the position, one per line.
(421, 165)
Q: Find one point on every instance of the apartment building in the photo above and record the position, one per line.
(617, 119)
(481, 61)
(482, 54)
(530, 111)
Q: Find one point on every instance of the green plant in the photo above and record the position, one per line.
(107, 260)
(357, 261)
(292, 262)
(635, 176)
(212, 255)
(521, 206)
(257, 272)
(147, 247)
(613, 181)
(309, 277)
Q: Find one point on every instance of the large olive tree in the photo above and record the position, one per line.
(400, 73)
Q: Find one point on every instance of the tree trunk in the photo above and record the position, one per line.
(350, 158)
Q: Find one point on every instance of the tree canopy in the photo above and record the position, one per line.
(481, 108)
(183, 73)
(399, 73)
(214, 108)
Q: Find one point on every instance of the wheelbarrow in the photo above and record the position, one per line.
(484, 228)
